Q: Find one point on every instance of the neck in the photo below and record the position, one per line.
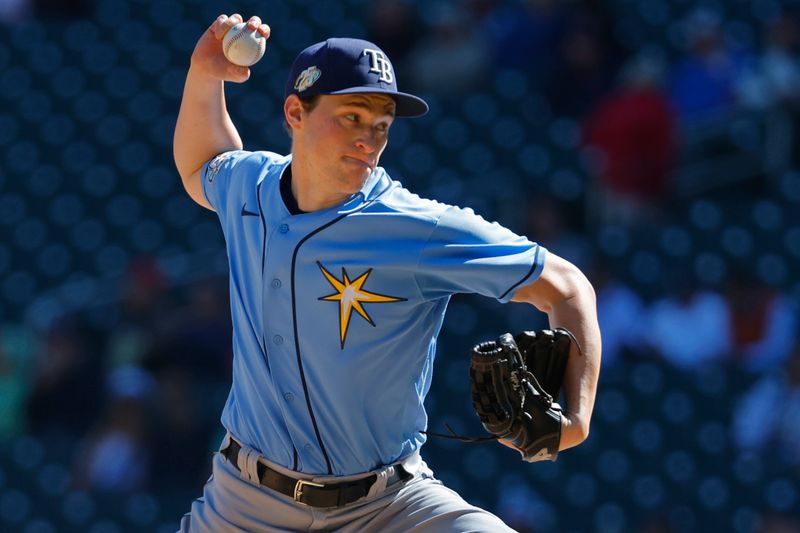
(311, 192)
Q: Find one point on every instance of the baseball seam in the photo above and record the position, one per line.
(236, 38)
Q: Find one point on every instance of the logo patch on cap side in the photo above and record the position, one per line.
(307, 78)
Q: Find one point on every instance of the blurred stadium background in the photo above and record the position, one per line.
(652, 142)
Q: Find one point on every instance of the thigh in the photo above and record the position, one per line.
(231, 504)
(425, 505)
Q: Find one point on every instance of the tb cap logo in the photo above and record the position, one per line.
(379, 64)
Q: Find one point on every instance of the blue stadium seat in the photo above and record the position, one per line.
(78, 508)
(100, 59)
(56, 130)
(648, 491)
(737, 241)
(790, 187)
(67, 83)
(15, 506)
(480, 109)
(147, 236)
(80, 34)
(123, 82)
(30, 234)
(54, 261)
(646, 436)
(142, 509)
(112, 259)
(99, 180)
(675, 241)
(713, 492)
(611, 518)
(581, 491)
(39, 525)
(54, 479)
(66, 209)
(680, 466)
(705, 215)
(88, 235)
(35, 106)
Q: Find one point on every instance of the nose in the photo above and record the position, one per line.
(367, 141)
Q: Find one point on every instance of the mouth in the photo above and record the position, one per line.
(359, 162)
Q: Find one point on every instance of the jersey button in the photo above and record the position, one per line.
(277, 339)
(308, 448)
(288, 396)
(283, 228)
(276, 283)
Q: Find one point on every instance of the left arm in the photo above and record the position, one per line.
(564, 293)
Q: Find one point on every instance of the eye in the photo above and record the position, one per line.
(382, 127)
(352, 117)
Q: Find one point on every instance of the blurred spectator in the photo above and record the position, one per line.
(145, 313)
(776, 77)
(198, 337)
(778, 523)
(546, 225)
(14, 10)
(767, 419)
(523, 35)
(16, 361)
(632, 133)
(66, 387)
(62, 9)
(115, 456)
(584, 69)
(763, 321)
(707, 78)
(451, 58)
(179, 446)
(618, 306)
(689, 327)
(394, 26)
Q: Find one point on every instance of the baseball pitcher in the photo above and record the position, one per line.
(339, 281)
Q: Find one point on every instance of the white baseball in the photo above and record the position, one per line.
(243, 47)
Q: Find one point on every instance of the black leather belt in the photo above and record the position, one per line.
(309, 492)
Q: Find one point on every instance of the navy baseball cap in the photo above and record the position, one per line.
(349, 66)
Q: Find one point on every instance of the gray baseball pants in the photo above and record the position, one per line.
(233, 501)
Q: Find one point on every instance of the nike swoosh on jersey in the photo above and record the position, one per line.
(246, 213)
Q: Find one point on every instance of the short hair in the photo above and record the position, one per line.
(309, 103)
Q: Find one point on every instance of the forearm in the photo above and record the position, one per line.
(568, 299)
(578, 314)
(204, 128)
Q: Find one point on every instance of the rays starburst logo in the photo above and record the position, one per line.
(351, 295)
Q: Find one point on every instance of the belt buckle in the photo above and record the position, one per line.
(298, 489)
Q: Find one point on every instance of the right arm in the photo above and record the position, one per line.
(204, 128)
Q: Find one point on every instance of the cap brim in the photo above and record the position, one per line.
(408, 105)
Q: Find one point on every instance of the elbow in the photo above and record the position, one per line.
(582, 432)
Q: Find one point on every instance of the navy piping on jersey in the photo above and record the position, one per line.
(263, 260)
(294, 320)
(529, 274)
(263, 263)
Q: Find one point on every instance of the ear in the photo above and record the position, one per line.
(293, 111)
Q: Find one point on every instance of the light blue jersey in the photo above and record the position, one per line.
(336, 312)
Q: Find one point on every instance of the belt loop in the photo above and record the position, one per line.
(248, 465)
(380, 484)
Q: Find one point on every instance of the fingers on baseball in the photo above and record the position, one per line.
(253, 23)
(264, 30)
(225, 23)
(236, 73)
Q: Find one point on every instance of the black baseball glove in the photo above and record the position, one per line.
(515, 383)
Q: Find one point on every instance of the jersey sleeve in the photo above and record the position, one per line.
(467, 254)
(228, 177)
